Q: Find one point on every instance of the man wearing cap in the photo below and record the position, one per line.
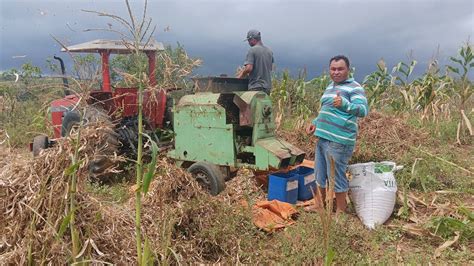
(258, 64)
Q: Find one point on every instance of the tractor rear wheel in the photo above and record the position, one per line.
(39, 143)
(209, 176)
(108, 146)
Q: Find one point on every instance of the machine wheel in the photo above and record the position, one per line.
(169, 112)
(70, 121)
(208, 176)
(128, 136)
(39, 143)
(106, 149)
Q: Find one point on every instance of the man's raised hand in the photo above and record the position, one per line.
(337, 100)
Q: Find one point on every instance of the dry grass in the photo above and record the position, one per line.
(300, 139)
(382, 135)
(35, 196)
(182, 222)
(386, 137)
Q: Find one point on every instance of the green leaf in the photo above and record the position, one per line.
(453, 69)
(151, 166)
(456, 60)
(462, 52)
(412, 66)
(147, 258)
(403, 71)
(469, 58)
(471, 65)
(468, 50)
(446, 226)
(64, 224)
(469, 214)
(328, 259)
(73, 168)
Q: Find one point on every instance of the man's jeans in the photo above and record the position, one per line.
(341, 154)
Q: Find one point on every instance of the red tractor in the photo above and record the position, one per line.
(107, 103)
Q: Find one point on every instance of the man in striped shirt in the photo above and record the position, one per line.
(336, 128)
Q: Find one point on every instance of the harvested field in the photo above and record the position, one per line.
(182, 222)
(185, 224)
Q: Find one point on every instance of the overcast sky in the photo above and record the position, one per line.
(300, 33)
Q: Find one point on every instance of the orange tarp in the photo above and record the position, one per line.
(272, 215)
(307, 163)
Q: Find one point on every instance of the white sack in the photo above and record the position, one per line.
(373, 191)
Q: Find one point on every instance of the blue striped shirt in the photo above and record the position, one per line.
(340, 124)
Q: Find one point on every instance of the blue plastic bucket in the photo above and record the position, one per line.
(283, 187)
(306, 182)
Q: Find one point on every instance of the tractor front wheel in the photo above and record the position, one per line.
(209, 176)
(39, 143)
(71, 121)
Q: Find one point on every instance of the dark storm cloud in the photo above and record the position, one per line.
(301, 33)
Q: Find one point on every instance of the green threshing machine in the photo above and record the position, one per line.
(224, 126)
(218, 127)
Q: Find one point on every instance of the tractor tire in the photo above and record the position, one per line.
(107, 148)
(96, 115)
(128, 136)
(168, 119)
(39, 143)
(70, 120)
(209, 176)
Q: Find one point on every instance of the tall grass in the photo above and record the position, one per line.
(324, 207)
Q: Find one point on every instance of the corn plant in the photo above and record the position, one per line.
(138, 34)
(297, 98)
(377, 83)
(429, 92)
(70, 217)
(463, 64)
(302, 107)
(405, 71)
(280, 93)
(139, 31)
(402, 73)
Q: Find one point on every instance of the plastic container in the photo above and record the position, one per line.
(283, 187)
(306, 182)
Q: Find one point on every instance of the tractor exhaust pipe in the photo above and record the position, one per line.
(63, 71)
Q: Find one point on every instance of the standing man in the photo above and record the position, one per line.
(258, 64)
(342, 103)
